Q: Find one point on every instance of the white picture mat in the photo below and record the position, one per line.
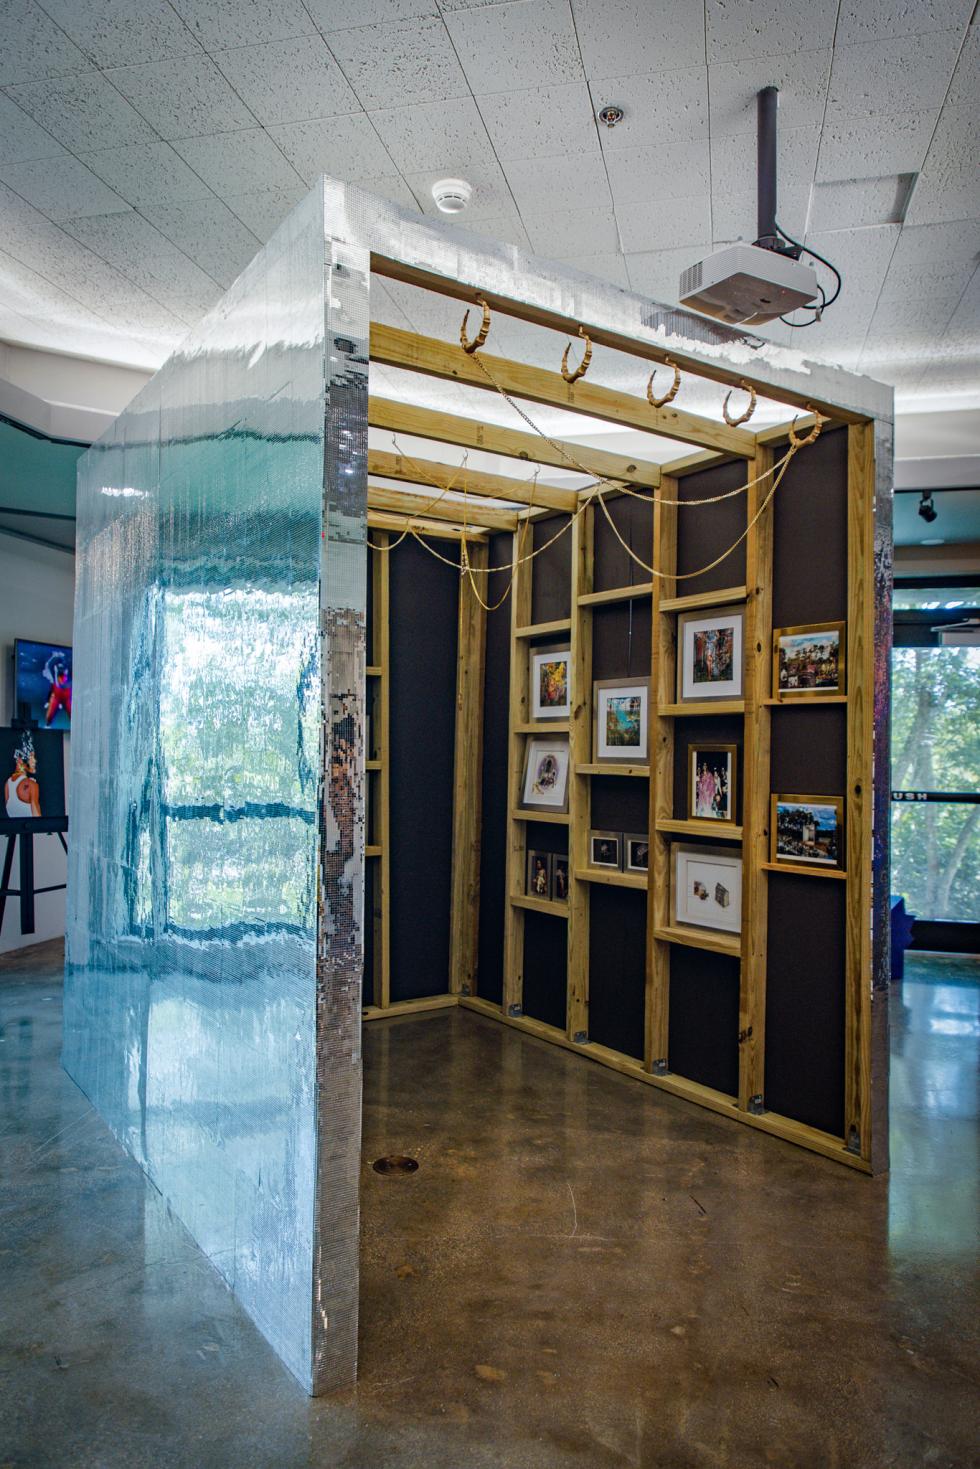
(550, 711)
(556, 797)
(689, 627)
(709, 867)
(638, 752)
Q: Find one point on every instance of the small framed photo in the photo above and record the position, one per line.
(808, 662)
(636, 852)
(551, 683)
(559, 878)
(807, 831)
(545, 784)
(709, 654)
(711, 783)
(606, 850)
(620, 720)
(707, 888)
(539, 875)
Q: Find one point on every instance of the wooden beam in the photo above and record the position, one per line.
(472, 433)
(396, 348)
(518, 714)
(435, 529)
(580, 786)
(450, 477)
(468, 784)
(381, 781)
(400, 502)
(662, 691)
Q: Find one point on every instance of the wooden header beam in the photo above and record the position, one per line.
(471, 481)
(478, 515)
(396, 348)
(381, 520)
(471, 433)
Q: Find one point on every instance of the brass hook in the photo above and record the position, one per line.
(813, 435)
(743, 417)
(671, 393)
(583, 367)
(481, 335)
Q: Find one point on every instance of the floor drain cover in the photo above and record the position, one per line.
(395, 1163)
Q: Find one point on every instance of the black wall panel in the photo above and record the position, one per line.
(703, 1027)
(551, 569)
(614, 566)
(620, 803)
(424, 634)
(493, 841)
(545, 967)
(709, 729)
(809, 749)
(621, 639)
(809, 581)
(617, 966)
(705, 531)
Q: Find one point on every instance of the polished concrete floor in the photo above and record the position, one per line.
(580, 1273)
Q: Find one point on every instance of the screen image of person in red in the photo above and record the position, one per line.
(21, 792)
(58, 675)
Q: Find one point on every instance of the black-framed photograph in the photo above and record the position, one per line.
(636, 852)
(606, 850)
(807, 831)
(808, 661)
(711, 776)
(709, 654)
(545, 783)
(539, 875)
(559, 878)
(620, 720)
(551, 682)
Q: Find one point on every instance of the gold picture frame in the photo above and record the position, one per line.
(706, 747)
(799, 840)
(784, 692)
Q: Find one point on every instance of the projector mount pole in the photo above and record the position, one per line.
(768, 235)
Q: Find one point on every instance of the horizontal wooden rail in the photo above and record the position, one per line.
(450, 477)
(474, 512)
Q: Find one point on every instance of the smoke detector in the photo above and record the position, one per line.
(452, 195)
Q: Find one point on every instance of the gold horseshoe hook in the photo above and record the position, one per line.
(481, 335)
(743, 417)
(671, 392)
(583, 367)
(818, 422)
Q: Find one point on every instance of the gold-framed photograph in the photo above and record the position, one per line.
(551, 682)
(807, 831)
(620, 720)
(808, 661)
(711, 781)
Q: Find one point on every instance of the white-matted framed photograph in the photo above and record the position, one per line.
(636, 852)
(606, 850)
(551, 682)
(620, 720)
(709, 654)
(545, 784)
(707, 888)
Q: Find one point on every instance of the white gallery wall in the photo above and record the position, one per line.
(37, 593)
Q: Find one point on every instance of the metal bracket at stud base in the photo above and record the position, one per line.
(853, 1144)
(464, 989)
(659, 1068)
(515, 1011)
(756, 1105)
(581, 1038)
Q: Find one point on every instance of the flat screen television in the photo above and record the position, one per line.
(32, 774)
(42, 683)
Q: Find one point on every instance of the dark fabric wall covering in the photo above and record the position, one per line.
(705, 531)
(620, 803)
(805, 1000)
(809, 749)
(711, 729)
(545, 836)
(617, 967)
(614, 567)
(703, 1028)
(370, 888)
(493, 845)
(621, 639)
(551, 571)
(424, 634)
(810, 536)
(369, 613)
(545, 967)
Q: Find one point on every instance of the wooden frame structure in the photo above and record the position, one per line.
(662, 599)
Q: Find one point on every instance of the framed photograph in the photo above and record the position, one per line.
(545, 784)
(709, 654)
(808, 662)
(636, 852)
(707, 888)
(606, 850)
(551, 683)
(620, 720)
(559, 878)
(539, 875)
(807, 831)
(711, 783)
(32, 772)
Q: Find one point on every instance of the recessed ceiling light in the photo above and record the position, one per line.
(452, 195)
(934, 541)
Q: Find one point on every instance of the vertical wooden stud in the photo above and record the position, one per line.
(468, 782)
(662, 691)
(520, 616)
(580, 798)
(382, 776)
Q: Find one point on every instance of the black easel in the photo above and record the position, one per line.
(24, 831)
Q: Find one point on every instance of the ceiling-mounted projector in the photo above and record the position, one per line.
(747, 284)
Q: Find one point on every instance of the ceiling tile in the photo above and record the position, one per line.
(145, 256)
(336, 15)
(572, 232)
(83, 111)
(448, 134)
(767, 27)
(526, 45)
(802, 81)
(621, 36)
(610, 267)
(948, 244)
(209, 233)
(21, 138)
(965, 86)
(149, 173)
(734, 160)
(62, 188)
(503, 224)
(966, 316)
(263, 210)
(490, 191)
(218, 24)
(868, 147)
(880, 20)
(238, 163)
(543, 122)
(577, 180)
(32, 46)
(870, 77)
(666, 225)
(286, 81)
(116, 32)
(733, 216)
(413, 61)
(343, 147)
(641, 175)
(948, 186)
(183, 99)
(662, 109)
(862, 256)
(856, 202)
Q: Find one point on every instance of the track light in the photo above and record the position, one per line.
(927, 509)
